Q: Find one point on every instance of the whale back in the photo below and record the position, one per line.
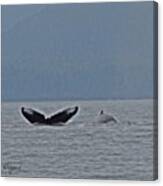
(105, 118)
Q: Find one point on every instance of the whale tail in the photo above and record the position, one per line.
(63, 116)
(34, 116)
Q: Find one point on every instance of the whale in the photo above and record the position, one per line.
(105, 118)
(57, 119)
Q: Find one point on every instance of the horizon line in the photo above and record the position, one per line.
(98, 99)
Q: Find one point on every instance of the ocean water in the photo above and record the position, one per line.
(84, 148)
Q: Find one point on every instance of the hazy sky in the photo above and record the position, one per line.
(77, 51)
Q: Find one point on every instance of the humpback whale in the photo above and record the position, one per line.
(58, 119)
(105, 118)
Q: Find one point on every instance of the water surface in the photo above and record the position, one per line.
(84, 148)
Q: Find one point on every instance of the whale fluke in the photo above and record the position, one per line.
(62, 116)
(33, 116)
(59, 118)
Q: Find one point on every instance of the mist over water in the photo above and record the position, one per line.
(84, 148)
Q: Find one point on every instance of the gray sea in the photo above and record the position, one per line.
(84, 148)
